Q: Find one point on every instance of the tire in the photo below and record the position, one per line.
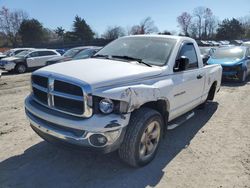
(243, 76)
(139, 146)
(20, 68)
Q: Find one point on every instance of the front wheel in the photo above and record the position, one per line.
(20, 68)
(243, 76)
(142, 137)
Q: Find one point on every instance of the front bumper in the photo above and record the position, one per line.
(7, 67)
(232, 71)
(58, 127)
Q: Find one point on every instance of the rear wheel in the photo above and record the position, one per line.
(20, 68)
(142, 137)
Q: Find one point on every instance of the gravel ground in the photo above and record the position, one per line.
(210, 150)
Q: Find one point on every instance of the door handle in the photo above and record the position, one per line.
(199, 76)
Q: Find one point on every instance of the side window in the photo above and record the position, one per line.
(34, 54)
(17, 51)
(188, 50)
(46, 53)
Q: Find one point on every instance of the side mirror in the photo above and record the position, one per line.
(181, 64)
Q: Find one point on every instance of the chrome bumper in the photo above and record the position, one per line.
(57, 125)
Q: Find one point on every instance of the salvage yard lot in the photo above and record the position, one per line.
(210, 150)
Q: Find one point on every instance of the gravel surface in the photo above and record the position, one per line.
(210, 150)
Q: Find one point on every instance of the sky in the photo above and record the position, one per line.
(102, 13)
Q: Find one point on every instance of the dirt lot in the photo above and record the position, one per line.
(210, 150)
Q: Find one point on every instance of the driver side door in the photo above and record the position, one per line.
(188, 84)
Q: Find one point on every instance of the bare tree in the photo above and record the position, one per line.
(146, 26)
(207, 18)
(199, 14)
(10, 23)
(212, 26)
(184, 21)
(112, 33)
(193, 30)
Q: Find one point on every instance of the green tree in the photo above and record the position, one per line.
(230, 30)
(82, 30)
(60, 32)
(32, 32)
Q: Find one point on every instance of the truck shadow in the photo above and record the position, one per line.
(44, 165)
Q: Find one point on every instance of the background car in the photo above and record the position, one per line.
(235, 61)
(28, 60)
(69, 55)
(61, 51)
(86, 53)
(13, 52)
(206, 52)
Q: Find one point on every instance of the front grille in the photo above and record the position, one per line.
(68, 88)
(40, 80)
(72, 106)
(40, 95)
(230, 69)
(58, 94)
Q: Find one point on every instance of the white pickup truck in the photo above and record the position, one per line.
(124, 97)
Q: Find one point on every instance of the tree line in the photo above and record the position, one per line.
(18, 29)
(203, 24)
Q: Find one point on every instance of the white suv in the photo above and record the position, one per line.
(28, 60)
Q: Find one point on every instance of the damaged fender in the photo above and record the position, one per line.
(134, 96)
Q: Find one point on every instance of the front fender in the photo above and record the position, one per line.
(134, 96)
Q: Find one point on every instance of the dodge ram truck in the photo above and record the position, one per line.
(123, 98)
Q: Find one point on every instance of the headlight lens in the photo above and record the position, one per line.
(106, 106)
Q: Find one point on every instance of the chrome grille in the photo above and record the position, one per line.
(60, 95)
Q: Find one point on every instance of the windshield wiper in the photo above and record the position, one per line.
(101, 55)
(131, 58)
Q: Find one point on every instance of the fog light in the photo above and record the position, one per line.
(98, 140)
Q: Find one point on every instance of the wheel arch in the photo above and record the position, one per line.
(162, 106)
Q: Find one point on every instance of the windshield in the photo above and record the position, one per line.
(23, 53)
(71, 53)
(228, 53)
(84, 54)
(151, 50)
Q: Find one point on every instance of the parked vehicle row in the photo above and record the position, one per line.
(220, 43)
(75, 53)
(21, 60)
(27, 60)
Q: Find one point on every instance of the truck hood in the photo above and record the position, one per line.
(225, 61)
(102, 72)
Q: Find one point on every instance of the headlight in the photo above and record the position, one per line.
(106, 106)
